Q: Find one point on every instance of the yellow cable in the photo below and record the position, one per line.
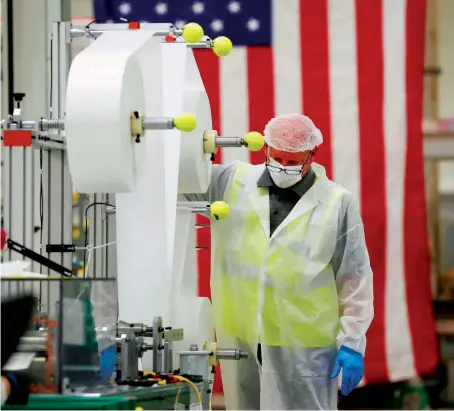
(193, 386)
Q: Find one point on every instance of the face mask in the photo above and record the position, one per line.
(280, 177)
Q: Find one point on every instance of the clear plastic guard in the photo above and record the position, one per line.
(89, 312)
(76, 321)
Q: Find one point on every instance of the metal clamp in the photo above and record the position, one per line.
(132, 346)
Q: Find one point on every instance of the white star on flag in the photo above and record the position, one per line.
(217, 25)
(125, 8)
(161, 8)
(253, 24)
(198, 7)
(234, 7)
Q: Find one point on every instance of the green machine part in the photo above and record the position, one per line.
(64, 402)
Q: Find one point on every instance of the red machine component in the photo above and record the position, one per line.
(134, 25)
(3, 238)
(17, 138)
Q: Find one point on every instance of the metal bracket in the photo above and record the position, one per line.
(60, 248)
(174, 334)
(26, 252)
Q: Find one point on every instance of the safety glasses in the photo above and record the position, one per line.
(290, 172)
(275, 169)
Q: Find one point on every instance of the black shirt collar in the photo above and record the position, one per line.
(299, 188)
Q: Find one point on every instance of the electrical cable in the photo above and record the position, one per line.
(10, 51)
(86, 225)
(193, 386)
(41, 205)
(105, 20)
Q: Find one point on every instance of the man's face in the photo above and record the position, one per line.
(291, 159)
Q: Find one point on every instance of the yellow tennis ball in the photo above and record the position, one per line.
(254, 141)
(219, 210)
(185, 122)
(76, 233)
(222, 46)
(192, 33)
(75, 197)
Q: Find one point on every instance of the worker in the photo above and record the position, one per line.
(16, 315)
(291, 280)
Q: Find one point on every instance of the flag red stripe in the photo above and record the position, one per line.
(208, 64)
(203, 233)
(416, 248)
(369, 22)
(260, 80)
(315, 72)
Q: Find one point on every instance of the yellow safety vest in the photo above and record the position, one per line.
(280, 291)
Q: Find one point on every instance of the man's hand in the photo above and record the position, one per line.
(352, 365)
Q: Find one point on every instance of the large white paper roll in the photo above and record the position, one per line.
(184, 91)
(104, 86)
(195, 165)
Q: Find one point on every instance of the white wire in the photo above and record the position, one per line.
(89, 249)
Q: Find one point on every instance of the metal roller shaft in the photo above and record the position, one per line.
(229, 141)
(194, 206)
(28, 124)
(52, 124)
(136, 328)
(204, 44)
(44, 124)
(157, 123)
(93, 33)
(231, 354)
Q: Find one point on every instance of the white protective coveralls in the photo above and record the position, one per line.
(301, 294)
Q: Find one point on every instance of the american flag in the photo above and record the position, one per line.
(355, 68)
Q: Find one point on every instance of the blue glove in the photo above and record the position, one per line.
(352, 365)
(107, 361)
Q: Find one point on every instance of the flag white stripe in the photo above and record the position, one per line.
(397, 331)
(344, 94)
(286, 57)
(344, 97)
(234, 102)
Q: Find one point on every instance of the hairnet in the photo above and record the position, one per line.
(293, 133)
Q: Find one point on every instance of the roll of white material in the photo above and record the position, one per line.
(104, 86)
(195, 165)
(182, 76)
(195, 316)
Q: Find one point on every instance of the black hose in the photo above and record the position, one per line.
(10, 54)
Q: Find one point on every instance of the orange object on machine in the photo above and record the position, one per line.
(48, 386)
(133, 25)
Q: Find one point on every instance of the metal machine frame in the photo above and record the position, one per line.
(47, 135)
(40, 213)
(42, 139)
